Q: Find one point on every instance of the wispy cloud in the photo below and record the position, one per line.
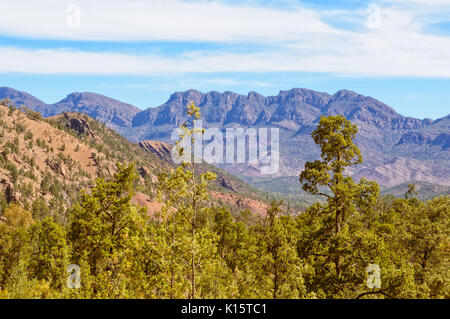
(168, 20)
(298, 39)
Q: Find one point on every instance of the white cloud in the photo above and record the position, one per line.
(359, 56)
(294, 40)
(168, 20)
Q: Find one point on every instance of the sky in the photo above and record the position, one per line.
(141, 51)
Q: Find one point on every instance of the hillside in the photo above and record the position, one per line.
(425, 191)
(44, 163)
(288, 187)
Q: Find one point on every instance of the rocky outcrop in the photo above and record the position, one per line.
(159, 148)
(145, 172)
(418, 138)
(57, 167)
(81, 126)
(225, 183)
(8, 189)
(442, 140)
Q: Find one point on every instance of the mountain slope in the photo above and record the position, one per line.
(386, 138)
(113, 113)
(424, 190)
(23, 98)
(44, 163)
(394, 147)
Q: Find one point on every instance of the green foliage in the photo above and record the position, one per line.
(281, 268)
(195, 248)
(341, 238)
(40, 209)
(187, 193)
(32, 114)
(12, 168)
(12, 147)
(101, 227)
(20, 128)
(50, 253)
(411, 191)
(14, 240)
(28, 135)
(41, 143)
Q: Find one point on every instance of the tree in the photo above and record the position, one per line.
(14, 239)
(184, 194)
(49, 258)
(237, 246)
(278, 258)
(335, 136)
(338, 233)
(411, 191)
(421, 234)
(101, 227)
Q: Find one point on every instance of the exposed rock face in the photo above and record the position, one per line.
(298, 105)
(226, 183)
(442, 140)
(291, 110)
(77, 124)
(401, 170)
(415, 138)
(159, 148)
(145, 172)
(57, 167)
(8, 189)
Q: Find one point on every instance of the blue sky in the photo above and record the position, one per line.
(140, 52)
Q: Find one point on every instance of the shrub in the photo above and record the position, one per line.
(28, 135)
(12, 168)
(32, 114)
(20, 128)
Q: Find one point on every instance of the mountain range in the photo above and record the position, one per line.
(396, 149)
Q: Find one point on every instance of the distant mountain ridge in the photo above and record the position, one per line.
(115, 114)
(289, 109)
(395, 148)
(23, 98)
